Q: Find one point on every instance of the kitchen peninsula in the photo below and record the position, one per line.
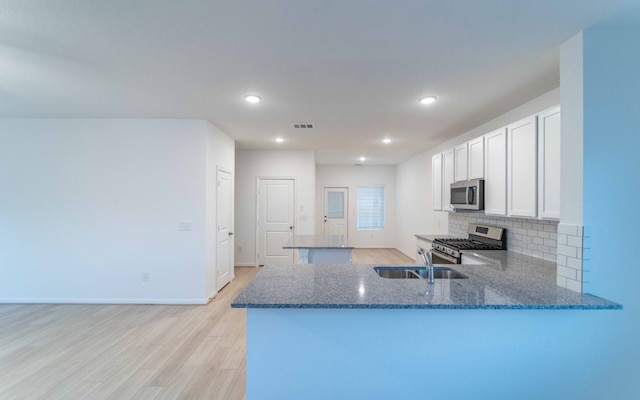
(326, 331)
(321, 249)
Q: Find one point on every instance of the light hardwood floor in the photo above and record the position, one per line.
(133, 351)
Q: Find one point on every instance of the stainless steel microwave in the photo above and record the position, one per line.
(468, 195)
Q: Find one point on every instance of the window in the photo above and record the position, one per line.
(370, 208)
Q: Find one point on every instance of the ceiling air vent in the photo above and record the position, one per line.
(302, 126)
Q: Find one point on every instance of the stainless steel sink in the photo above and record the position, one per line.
(418, 272)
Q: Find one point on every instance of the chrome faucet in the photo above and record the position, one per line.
(426, 256)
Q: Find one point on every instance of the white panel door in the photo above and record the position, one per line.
(224, 237)
(495, 180)
(476, 158)
(522, 176)
(335, 211)
(436, 181)
(461, 162)
(275, 220)
(448, 168)
(549, 164)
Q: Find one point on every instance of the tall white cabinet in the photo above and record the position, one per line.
(448, 170)
(549, 164)
(522, 177)
(476, 158)
(461, 165)
(495, 184)
(436, 181)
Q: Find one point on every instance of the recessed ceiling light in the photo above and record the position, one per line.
(363, 158)
(386, 140)
(252, 98)
(427, 100)
(279, 140)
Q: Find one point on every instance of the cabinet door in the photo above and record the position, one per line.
(495, 180)
(476, 158)
(461, 171)
(436, 181)
(522, 177)
(549, 164)
(448, 167)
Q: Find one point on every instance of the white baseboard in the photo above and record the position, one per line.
(103, 301)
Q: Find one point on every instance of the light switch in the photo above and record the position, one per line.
(185, 226)
(302, 218)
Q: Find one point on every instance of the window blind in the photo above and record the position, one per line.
(370, 208)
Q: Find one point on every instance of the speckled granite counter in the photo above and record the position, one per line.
(432, 236)
(508, 281)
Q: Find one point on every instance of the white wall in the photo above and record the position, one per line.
(351, 177)
(571, 82)
(415, 209)
(88, 206)
(251, 164)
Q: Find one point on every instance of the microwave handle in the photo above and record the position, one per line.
(470, 196)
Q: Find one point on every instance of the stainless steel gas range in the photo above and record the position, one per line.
(481, 237)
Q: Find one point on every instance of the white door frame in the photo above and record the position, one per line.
(346, 208)
(295, 211)
(231, 225)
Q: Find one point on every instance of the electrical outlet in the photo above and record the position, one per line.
(145, 277)
(185, 226)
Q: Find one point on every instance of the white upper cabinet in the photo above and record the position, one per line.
(461, 162)
(448, 166)
(476, 158)
(522, 177)
(495, 184)
(549, 164)
(436, 181)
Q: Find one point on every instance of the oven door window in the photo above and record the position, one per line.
(439, 258)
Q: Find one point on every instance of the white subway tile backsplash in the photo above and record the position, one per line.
(569, 273)
(574, 263)
(574, 285)
(567, 251)
(562, 238)
(531, 237)
(575, 241)
(568, 229)
(543, 234)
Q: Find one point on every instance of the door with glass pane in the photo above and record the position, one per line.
(335, 211)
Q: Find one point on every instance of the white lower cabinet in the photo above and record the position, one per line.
(549, 164)
(495, 184)
(522, 177)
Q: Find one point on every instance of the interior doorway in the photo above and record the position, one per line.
(276, 206)
(224, 235)
(336, 211)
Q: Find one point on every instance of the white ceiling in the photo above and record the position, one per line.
(353, 68)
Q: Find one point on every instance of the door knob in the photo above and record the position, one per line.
(230, 233)
(291, 227)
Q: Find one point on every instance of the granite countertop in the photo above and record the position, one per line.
(508, 281)
(433, 236)
(318, 242)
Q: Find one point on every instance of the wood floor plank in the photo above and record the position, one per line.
(84, 351)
